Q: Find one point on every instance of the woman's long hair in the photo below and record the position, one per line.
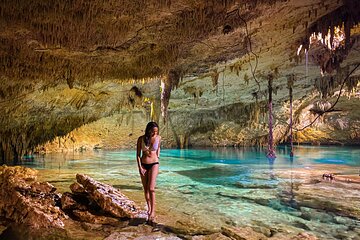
(148, 129)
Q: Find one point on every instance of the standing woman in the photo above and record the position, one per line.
(147, 155)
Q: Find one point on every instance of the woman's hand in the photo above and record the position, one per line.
(142, 171)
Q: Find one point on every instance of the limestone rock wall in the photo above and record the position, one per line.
(71, 87)
(232, 125)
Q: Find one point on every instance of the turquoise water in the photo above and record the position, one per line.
(210, 188)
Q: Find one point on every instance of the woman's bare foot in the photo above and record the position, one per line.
(152, 217)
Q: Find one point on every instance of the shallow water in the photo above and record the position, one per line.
(210, 188)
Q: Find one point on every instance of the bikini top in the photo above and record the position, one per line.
(152, 147)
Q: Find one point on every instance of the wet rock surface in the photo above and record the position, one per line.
(89, 220)
(109, 198)
(142, 232)
(243, 233)
(25, 201)
(28, 211)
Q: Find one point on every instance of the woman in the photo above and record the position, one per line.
(147, 154)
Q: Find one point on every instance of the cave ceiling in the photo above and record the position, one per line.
(79, 42)
(59, 57)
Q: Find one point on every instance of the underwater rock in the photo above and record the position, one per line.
(300, 225)
(109, 198)
(315, 215)
(242, 233)
(326, 201)
(254, 186)
(264, 230)
(141, 232)
(33, 208)
(348, 178)
(215, 236)
(304, 236)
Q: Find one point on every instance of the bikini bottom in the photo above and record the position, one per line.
(148, 166)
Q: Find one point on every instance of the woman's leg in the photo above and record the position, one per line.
(153, 172)
(145, 183)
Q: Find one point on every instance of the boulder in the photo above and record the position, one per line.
(109, 198)
(25, 201)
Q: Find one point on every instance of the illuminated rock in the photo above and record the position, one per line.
(27, 202)
(109, 198)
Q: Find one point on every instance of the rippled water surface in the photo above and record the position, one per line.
(211, 188)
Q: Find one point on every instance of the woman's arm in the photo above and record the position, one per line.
(138, 157)
(158, 150)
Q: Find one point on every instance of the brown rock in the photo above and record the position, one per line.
(23, 232)
(142, 232)
(86, 216)
(77, 188)
(23, 202)
(109, 198)
(2, 228)
(348, 178)
(215, 236)
(244, 233)
(304, 236)
(43, 187)
(69, 203)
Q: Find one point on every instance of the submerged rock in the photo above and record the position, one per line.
(348, 178)
(215, 236)
(142, 232)
(243, 233)
(304, 236)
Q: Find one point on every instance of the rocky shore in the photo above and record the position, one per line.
(93, 210)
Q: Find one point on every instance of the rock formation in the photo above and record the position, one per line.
(27, 202)
(200, 68)
(33, 210)
(109, 199)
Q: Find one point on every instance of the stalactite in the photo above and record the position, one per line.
(171, 82)
(325, 52)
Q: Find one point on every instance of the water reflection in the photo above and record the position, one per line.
(271, 167)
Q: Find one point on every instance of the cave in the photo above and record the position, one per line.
(85, 77)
